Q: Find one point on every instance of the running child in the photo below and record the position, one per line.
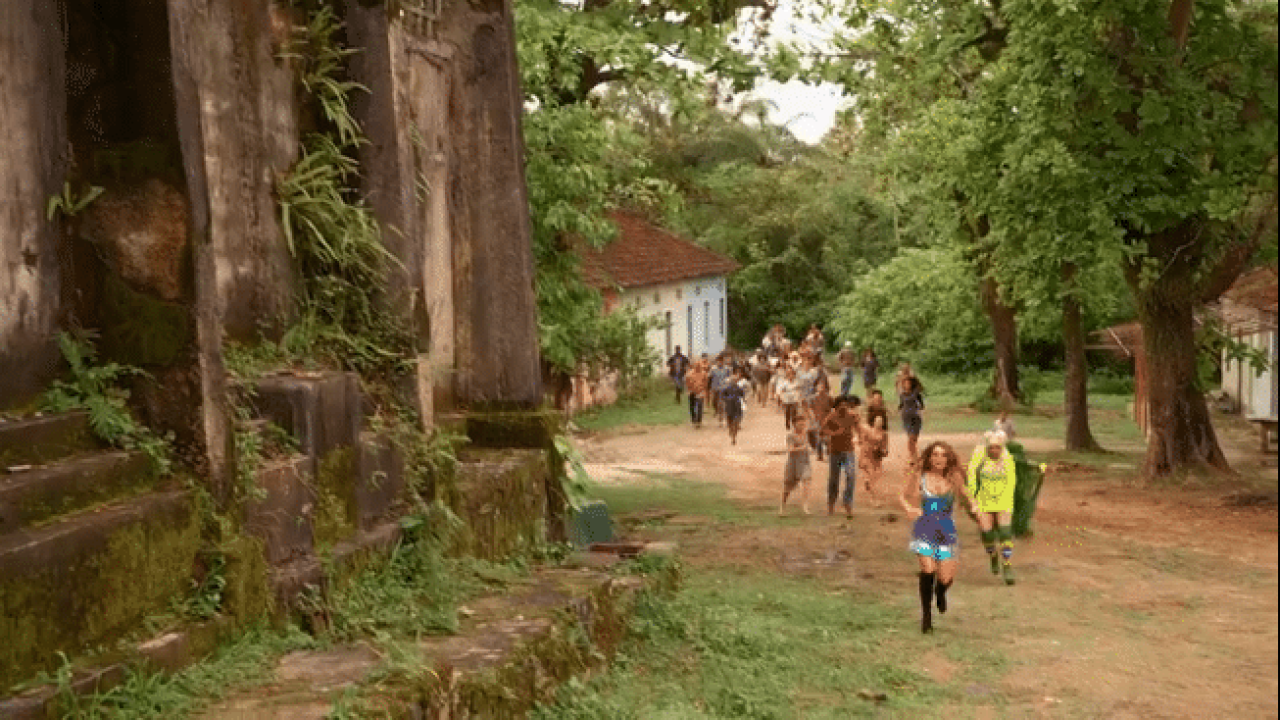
(873, 449)
(798, 470)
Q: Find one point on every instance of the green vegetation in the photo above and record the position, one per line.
(71, 203)
(754, 645)
(333, 235)
(651, 404)
(146, 696)
(98, 389)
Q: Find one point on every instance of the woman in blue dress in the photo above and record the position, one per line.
(929, 495)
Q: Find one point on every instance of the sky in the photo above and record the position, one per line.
(809, 111)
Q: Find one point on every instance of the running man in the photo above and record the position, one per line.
(840, 428)
(677, 366)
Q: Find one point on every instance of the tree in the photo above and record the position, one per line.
(1125, 129)
(901, 58)
(582, 158)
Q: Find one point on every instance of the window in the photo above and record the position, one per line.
(706, 322)
(688, 326)
(657, 298)
(722, 317)
(667, 323)
(679, 293)
(697, 289)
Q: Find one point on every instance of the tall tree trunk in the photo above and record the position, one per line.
(1004, 328)
(1181, 434)
(1076, 392)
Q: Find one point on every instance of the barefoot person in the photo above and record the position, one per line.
(911, 407)
(734, 397)
(873, 449)
(929, 495)
(991, 482)
(797, 470)
(870, 369)
(762, 374)
(818, 410)
(840, 428)
(677, 367)
(789, 395)
(697, 382)
(846, 358)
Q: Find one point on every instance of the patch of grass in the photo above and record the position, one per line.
(145, 695)
(653, 403)
(662, 492)
(760, 646)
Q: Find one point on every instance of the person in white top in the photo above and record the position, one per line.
(789, 395)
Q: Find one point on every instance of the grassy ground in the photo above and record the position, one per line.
(414, 592)
(743, 642)
(653, 404)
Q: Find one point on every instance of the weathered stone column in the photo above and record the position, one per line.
(33, 141)
(238, 130)
(496, 326)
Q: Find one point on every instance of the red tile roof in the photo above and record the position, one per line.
(644, 254)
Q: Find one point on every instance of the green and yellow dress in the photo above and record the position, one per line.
(991, 483)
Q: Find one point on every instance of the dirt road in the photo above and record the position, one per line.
(1131, 602)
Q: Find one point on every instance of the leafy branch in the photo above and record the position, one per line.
(96, 388)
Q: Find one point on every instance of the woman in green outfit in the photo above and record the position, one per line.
(991, 483)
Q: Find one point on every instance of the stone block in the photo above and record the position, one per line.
(323, 410)
(291, 580)
(502, 496)
(41, 703)
(514, 429)
(282, 517)
(380, 479)
(169, 652)
(40, 493)
(85, 579)
(43, 439)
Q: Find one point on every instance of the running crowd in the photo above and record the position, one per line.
(851, 437)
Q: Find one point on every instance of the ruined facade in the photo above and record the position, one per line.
(187, 113)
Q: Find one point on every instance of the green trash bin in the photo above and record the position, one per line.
(1029, 478)
(590, 524)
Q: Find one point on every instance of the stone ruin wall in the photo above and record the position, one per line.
(184, 249)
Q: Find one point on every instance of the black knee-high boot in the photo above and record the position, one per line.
(941, 592)
(926, 602)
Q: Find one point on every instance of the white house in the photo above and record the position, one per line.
(667, 277)
(1248, 311)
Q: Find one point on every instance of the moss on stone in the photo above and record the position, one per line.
(519, 429)
(247, 595)
(502, 499)
(335, 497)
(583, 636)
(139, 329)
(94, 597)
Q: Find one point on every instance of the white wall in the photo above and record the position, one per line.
(1255, 392)
(702, 300)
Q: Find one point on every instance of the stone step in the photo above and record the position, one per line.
(31, 496)
(502, 495)
(44, 438)
(83, 580)
(323, 411)
(511, 652)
